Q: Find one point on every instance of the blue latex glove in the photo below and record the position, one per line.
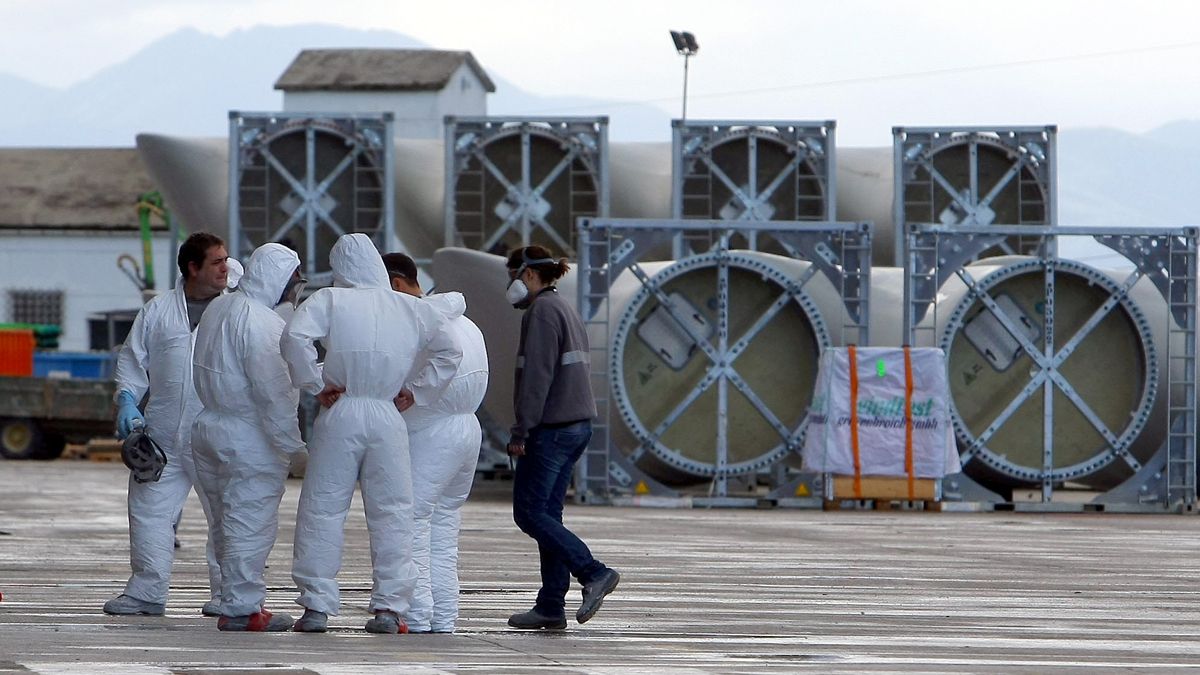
(128, 415)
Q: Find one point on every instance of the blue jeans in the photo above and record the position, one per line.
(539, 488)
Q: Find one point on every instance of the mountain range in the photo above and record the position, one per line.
(186, 82)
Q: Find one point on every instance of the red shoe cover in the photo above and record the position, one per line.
(259, 621)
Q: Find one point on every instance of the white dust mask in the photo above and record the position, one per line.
(517, 292)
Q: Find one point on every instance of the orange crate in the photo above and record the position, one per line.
(16, 352)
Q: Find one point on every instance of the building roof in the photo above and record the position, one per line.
(377, 70)
(71, 188)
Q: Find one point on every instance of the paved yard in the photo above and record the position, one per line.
(731, 591)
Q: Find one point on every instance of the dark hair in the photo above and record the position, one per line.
(548, 272)
(401, 265)
(195, 250)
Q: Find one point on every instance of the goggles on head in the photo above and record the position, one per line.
(526, 262)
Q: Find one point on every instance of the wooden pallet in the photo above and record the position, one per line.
(103, 450)
(882, 492)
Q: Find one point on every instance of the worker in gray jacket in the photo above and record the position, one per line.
(554, 410)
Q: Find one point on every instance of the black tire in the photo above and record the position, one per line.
(52, 446)
(20, 438)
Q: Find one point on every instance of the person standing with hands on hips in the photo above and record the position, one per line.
(384, 351)
(443, 439)
(552, 400)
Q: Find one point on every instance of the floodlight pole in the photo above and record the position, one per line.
(686, 56)
(686, 46)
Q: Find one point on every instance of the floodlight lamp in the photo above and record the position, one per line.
(914, 152)
(680, 45)
(690, 41)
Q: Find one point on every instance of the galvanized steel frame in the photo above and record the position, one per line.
(840, 251)
(811, 142)
(1031, 147)
(1167, 257)
(251, 132)
(583, 138)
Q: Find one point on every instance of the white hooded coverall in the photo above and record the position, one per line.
(157, 357)
(373, 337)
(246, 434)
(444, 439)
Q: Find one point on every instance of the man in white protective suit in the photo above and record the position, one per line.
(247, 433)
(157, 359)
(444, 438)
(374, 339)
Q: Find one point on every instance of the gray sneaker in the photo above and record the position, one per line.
(125, 605)
(594, 593)
(259, 622)
(312, 622)
(386, 621)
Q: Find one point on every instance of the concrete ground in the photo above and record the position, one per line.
(729, 591)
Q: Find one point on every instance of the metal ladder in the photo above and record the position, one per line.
(368, 196)
(859, 278)
(256, 205)
(924, 202)
(468, 205)
(1181, 431)
(922, 336)
(702, 202)
(594, 247)
(579, 175)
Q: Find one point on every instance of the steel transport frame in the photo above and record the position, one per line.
(581, 139)
(367, 137)
(608, 247)
(1165, 256)
(811, 144)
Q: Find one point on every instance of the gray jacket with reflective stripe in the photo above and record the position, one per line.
(553, 382)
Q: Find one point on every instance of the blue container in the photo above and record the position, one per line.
(73, 365)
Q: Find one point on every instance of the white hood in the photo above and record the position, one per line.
(451, 304)
(268, 272)
(356, 263)
(236, 272)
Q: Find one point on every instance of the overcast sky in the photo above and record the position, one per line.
(867, 64)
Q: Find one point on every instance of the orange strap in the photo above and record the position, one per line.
(854, 422)
(908, 423)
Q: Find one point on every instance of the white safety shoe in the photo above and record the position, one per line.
(211, 608)
(127, 605)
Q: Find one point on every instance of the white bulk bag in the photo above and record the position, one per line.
(879, 393)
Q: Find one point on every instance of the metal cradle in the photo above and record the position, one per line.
(307, 179)
(975, 176)
(841, 252)
(1166, 259)
(516, 181)
(752, 170)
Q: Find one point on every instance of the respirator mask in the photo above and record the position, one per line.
(517, 293)
(293, 290)
(143, 456)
